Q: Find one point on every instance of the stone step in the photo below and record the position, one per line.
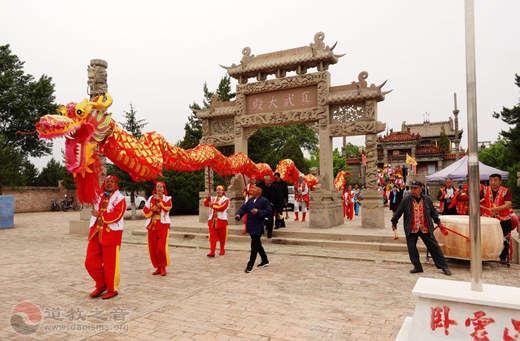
(343, 243)
(311, 234)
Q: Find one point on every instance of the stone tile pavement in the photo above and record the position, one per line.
(296, 298)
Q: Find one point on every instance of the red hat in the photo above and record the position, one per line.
(164, 186)
(110, 177)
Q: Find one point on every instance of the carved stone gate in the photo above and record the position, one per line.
(331, 111)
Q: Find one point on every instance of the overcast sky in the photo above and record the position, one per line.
(160, 53)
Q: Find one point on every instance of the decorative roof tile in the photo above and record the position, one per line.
(399, 136)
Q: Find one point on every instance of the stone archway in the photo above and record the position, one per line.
(332, 111)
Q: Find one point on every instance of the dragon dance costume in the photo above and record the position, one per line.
(217, 221)
(158, 226)
(106, 231)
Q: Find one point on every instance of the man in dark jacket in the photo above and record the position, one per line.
(418, 215)
(270, 193)
(257, 208)
(283, 196)
(395, 197)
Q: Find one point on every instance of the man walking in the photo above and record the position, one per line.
(418, 215)
(283, 196)
(257, 209)
(269, 192)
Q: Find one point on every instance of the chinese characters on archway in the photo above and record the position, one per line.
(475, 325)
(282, 100)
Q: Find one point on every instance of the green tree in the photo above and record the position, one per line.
(444, 141)
(511, 140)
(352, 151)
(494, 154)
(338, 161)
(132, 125)
(28, 174)
(265, 144)
(51, 174)
(22, 102)
(290, 150)
(11, 161)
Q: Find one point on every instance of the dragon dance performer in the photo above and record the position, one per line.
(158, 222)
(106, 230)
(448, 198)
(217, 220)
(248, 193)
(301, 191)
(497, 204)
(348, 198)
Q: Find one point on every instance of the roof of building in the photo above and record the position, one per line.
(430, 129)
(399, 136)
(286, 60)
(429, 150)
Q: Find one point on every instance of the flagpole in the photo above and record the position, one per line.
(475, 246)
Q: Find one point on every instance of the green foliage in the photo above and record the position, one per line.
(352, 151)
(184, 188)
(11, 161)
(444, 141)
(338, 161)
(29, 173)
(507, 150)
(22, 102)
(268, 144)
(51, 174)
(132, 125)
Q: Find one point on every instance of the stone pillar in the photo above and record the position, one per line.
(326, 209)
(208, 189)
(439, 165)
(97, 86)
(385, 155)
(240, 140)
(372, 214)
(414, 148)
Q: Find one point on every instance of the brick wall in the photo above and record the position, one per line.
(36, 199)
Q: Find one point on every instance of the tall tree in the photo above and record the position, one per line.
(132, 125)
(511, 159)
(22, 102)
(444, 141)
(338, 161)
(51, 174)
(11, 161)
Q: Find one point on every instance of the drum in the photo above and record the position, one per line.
(455, 246)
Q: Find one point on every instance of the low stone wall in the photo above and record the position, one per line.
(36, 199)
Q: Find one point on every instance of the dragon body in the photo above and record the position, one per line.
(90, 130)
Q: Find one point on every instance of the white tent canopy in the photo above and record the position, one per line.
(458, 171)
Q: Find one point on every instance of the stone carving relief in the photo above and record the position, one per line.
(97, 78)
(240, 104)
(282, 117)
(222, 126)
(371, 156)
(248, 132)
(218, 140)
(356, 128)
(348, 113)
(285, 83)
(205, 127)
(370, 110)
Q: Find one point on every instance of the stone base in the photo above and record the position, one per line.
(515, 244)
(79, 227)
(450, 310)
(372, 210)
(326, 209)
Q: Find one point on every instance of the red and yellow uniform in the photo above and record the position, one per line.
(158, 226)
(348, 203)
(106, 231)
(217, 221)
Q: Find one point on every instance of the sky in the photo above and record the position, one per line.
(160, 53)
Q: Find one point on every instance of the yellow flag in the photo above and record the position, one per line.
(410, 160)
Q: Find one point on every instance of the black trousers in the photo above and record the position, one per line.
(431, 244)
(506, 225)
(269, 221)
(256, 247)
(279, 222)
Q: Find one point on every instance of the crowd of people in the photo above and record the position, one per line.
(265, 202)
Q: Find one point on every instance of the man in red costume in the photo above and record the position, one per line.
(248, 193)
(448, 198)
(348, 198)
(301, 191)
(157, 210)
(217, 220)
(106, 230)
(497, 204)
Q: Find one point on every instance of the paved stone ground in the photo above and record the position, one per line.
(296, 298)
